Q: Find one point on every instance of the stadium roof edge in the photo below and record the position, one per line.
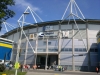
(55, 22)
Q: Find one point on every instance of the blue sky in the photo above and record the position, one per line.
(50, 10)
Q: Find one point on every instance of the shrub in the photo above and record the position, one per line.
(2, 68)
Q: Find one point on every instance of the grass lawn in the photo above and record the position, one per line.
(12, 72)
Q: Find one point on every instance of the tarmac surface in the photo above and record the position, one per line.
(51, 72)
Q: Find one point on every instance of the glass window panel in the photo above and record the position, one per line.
(56, 49)
(66, 49)
(30, 50)
(44, 42)
(41, 50)
(96, 50)
(84, 49)
(76, 49)
(49, 43)
(62, 49)
(70, 49)
(44, 49)
(91, 49)
(80, 49)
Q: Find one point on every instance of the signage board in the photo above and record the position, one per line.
(47, 28)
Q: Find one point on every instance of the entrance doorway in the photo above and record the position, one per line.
(41, 60)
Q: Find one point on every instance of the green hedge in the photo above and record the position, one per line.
(2, 68)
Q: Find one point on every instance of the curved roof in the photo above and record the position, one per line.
(56, 22)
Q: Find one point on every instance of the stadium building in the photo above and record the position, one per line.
(71, 42)
(98, 46)
(58, 43)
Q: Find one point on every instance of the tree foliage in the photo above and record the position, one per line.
(5, 12)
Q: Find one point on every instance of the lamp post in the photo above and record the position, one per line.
(19, 43)
(18, 49)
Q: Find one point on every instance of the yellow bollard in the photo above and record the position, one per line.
(3, 74)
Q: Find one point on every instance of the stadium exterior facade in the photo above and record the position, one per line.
(98, 46)
(54, 43)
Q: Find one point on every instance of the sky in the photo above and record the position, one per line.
(49, 10)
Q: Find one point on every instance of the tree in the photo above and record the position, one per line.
(5, 12)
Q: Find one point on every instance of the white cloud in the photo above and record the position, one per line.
(23, 4)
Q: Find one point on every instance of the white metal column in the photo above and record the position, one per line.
(46, 54)
(36, 46)
(18, 48)
(26, 52)
(73, 65)
(87, 39)
(59, 46)
(46, 61)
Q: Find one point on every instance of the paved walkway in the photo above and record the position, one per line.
(51, 72)
(36, 73)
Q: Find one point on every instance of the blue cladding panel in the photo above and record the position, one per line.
(3, 51)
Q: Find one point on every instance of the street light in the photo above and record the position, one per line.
(26, 13)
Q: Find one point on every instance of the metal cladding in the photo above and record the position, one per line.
(5, 49)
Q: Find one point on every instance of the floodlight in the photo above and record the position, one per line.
(26, 13)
